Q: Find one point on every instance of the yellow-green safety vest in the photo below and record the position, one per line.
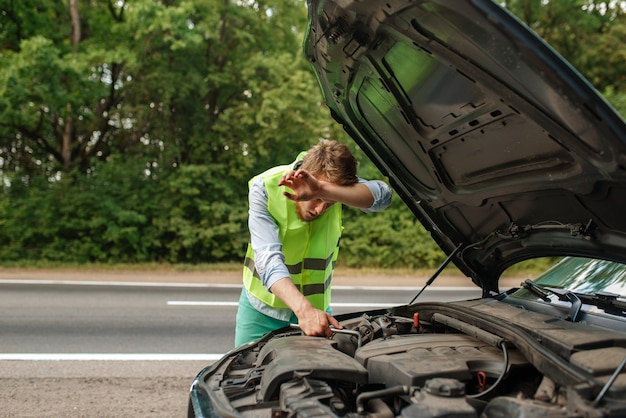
(310, 248)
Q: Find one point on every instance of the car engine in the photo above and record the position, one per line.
(431, 362)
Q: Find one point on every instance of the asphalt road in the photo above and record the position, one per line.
(127, 344)
(47, 320)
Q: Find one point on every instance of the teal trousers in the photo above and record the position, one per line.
(252, 324)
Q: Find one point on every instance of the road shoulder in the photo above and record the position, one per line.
(341, 278)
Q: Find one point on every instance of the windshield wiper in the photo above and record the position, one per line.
(604, 300)
(536, 289)
(563, 295)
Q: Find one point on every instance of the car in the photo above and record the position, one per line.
(505, 153)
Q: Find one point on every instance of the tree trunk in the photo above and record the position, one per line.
(66, 147)
(75, 23)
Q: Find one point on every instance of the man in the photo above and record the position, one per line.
(295, 225)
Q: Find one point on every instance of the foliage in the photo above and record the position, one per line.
(389, 239)
(590, 34)
(129, 130)
(200, 220)
(104, 217)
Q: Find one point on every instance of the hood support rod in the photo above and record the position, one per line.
(438, 272)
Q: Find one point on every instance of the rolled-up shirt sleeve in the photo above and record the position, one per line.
(268, 256)
(382, 194)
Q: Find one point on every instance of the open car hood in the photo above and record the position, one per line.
(498, 146)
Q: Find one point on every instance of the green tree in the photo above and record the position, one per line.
(57, 89)
(108, 216)
(590, 34)
(202, 94)
(129, 130)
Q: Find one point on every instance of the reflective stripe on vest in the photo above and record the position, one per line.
(310, 248)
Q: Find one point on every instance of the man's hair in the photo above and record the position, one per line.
(332, 160)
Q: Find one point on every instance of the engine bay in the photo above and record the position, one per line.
(424, 363)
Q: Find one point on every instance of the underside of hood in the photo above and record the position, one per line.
(498, 146)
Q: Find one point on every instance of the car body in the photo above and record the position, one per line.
(505, 153)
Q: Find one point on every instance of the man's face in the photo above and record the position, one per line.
(308, 210)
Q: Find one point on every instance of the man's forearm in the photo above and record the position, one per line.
(289, 293)
(357, 195)
(306, 187)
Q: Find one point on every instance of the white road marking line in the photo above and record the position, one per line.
(409, 288)
(366, 305)
(200, 303)
(137, 284)
(108, 356)
(226, 303)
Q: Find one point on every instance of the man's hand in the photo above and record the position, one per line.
(312, 321)
(317, 323)
(304, 185)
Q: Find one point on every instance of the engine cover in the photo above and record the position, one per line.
(412, 359)
(298, 357)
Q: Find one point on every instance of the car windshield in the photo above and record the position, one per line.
(586, 275)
